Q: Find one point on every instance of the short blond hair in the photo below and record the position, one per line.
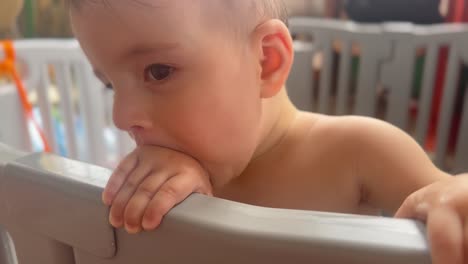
(239, 16)
(267, 8)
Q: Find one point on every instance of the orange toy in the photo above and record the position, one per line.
(7, 67)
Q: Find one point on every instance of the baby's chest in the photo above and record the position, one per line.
(312, 188)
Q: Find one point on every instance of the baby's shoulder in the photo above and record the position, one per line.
(340, 133)
(350, 126)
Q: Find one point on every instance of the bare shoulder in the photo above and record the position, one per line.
(360, 132)
(371, 141)
(354, 125)
(349, 129)
(340, 140)
(389, 163)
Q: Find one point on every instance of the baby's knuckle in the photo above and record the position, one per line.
(122, 169)
(118, 206)
(112, 185)
(191, 170)
(442, 201)
(415, 198)
(146, 190)
(169, 191)
(131, 183)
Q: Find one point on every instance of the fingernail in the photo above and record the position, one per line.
(149, 224)
(131, 229)
(105, 199)
(108, 196)
(422, 208)
(115, 222)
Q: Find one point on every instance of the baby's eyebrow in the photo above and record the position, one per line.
(139, 50)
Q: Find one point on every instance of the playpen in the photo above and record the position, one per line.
(51, 206)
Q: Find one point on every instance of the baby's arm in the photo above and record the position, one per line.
(389, 163)
(148, 183)
(396, 173)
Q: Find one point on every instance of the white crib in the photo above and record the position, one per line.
(73, 106)
(51, 207)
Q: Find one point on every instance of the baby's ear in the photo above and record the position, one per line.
(276, 55)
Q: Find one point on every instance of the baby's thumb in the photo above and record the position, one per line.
(414, 207)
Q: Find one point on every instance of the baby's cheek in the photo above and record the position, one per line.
(217, 137)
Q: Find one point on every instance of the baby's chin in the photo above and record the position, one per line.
(233, 172)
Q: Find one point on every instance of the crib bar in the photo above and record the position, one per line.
(95, 95)
(45, 107)
(31, 248)
(63, 220)
(64, 87)
(6, 250)
(344, 78)
(445, 117)
(367, 81)
(89, 155)
(16, 133)
(422, 123)
(461, 153)
(401, 80)
(92, 104)
(326, 44)
(301, 78)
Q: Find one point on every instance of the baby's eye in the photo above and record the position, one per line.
(158, 72)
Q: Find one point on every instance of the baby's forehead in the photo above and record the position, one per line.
(237, 13)
(166, 18)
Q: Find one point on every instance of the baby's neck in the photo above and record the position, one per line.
(279, 114)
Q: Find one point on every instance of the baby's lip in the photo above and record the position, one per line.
(146, 140)
(142, 141)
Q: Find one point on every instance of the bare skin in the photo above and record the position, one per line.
(210, 114)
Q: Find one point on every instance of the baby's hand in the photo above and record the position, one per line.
(148, 183)
(444, 207)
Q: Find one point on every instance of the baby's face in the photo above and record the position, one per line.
(178, 82)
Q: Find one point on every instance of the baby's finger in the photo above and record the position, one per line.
(118, 177)
(445, 232)
(139, 202)
(172, 192)
(126, 192)
(414, 207)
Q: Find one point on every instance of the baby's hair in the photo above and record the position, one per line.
(266, 9)
(272, 9)
(242, 16)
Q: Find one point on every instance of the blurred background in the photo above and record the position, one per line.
(48, 18)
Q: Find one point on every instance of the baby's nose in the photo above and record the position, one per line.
(131, 117)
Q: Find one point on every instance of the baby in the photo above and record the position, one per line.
(199, 84)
